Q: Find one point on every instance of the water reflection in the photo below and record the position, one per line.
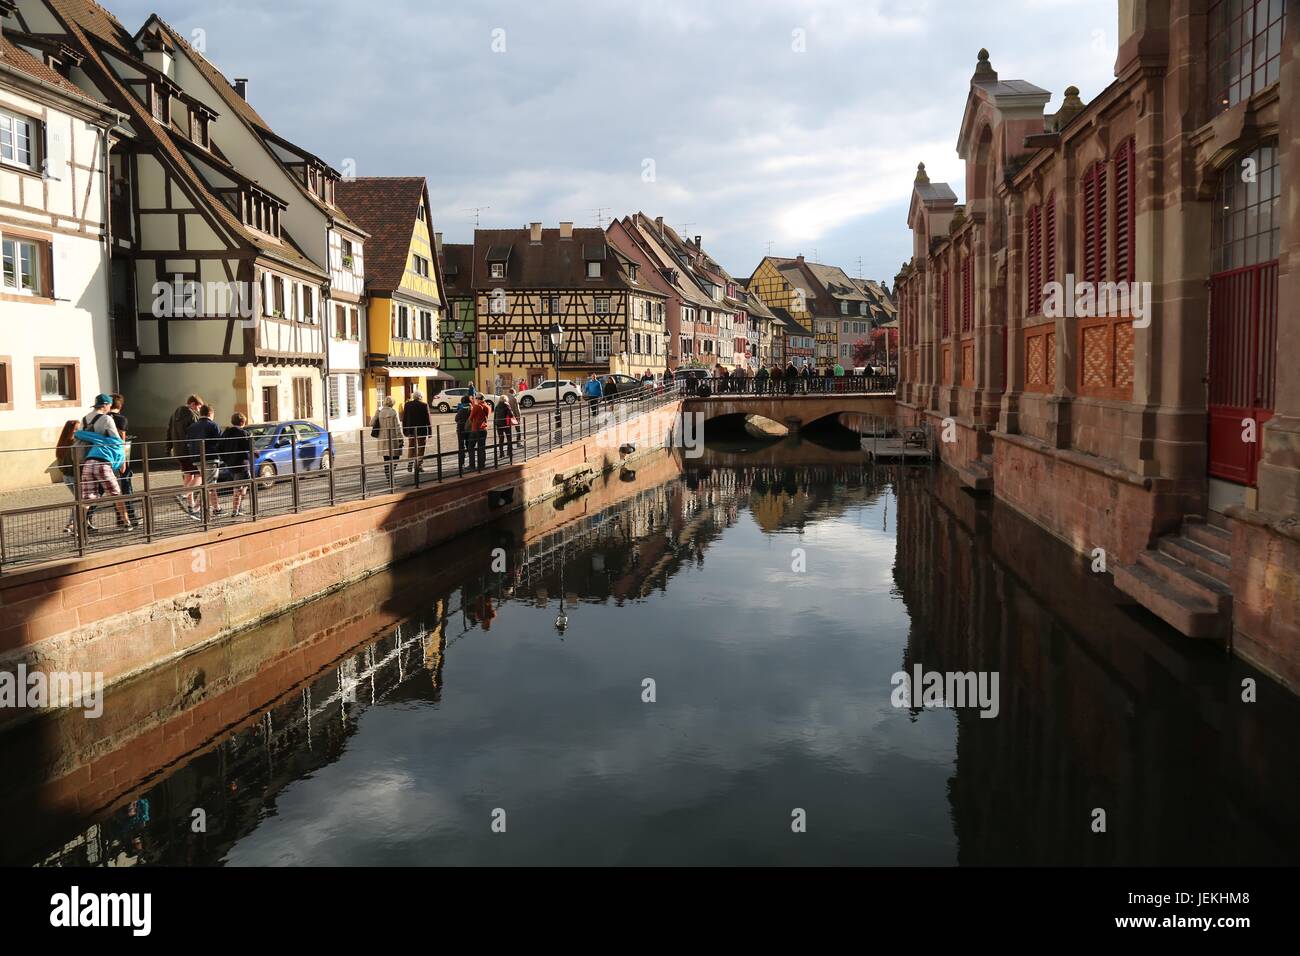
(772, 687)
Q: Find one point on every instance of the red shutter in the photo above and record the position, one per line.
(1094, 223)
(967, 294)
(1049, 240)
(943, 304)
(1034, 253)
(1125, 209)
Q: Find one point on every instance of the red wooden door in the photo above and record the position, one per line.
(1243, 358)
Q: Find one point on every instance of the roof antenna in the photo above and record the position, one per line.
(476, 210)
(600, 215)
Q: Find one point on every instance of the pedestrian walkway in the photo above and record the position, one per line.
(46, 524)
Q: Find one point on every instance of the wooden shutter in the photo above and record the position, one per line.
(967, 294)
(1034, 255)
(943, 304)
(1125, 209)
(1094, 223)
(1049, 240)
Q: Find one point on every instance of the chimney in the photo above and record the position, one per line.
(799, 258)
(241, 87)
(534, 232)
(659, 224)
(697, 242)
(566, 230)
(437, 243)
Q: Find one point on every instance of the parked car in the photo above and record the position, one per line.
(545, 392)
(285, 447)
(692, 379)
(447, 400)
(625, 386)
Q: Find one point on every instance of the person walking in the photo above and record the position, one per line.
(462, 433)
(203, 449)
(504, 443)
(386, 429)
(610, 388)
(125, 476)
(806, 379)
(177, 428)
(104, 457)
(838, 372)
(828, 375)
(236, 450)
(478, 415)
(417, 424)
(593, 392)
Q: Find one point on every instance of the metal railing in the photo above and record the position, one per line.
(163, 493)
(812, 384)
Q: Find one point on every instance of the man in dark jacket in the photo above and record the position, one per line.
(236, 451)
(177, 428)
(791, 377)
(611, 389)
(417, 425)
(462, 432)
(203, 448)
(760, 379)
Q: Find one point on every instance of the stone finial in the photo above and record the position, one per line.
(1071, 106)
(921, 177)
(983, 68)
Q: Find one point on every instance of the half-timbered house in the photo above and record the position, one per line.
(211, 291)
(526, 280)
(459, 336)
(403, 286)
(56, 352)
(323, 232)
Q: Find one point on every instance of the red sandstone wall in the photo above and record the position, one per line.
(1266, 594)
(126, 610)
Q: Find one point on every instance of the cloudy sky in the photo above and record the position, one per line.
(794, 123)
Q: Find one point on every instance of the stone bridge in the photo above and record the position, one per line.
(794, 411)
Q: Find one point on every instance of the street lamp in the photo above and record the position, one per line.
(556, 335)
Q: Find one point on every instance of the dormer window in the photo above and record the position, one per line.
(199, 129)
(498, 270)
(160, 103)
(593, 270)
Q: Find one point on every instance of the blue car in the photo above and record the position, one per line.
(276, 444)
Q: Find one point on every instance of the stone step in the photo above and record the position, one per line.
(1186, 578)
(1206, 560)
(1208, 535)
(1218, 520)
(1185, 612)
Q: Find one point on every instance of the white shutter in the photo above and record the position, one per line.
(55, 152)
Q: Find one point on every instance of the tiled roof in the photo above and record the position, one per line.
(244, 109)
(89, 27)
(552, 263)
(386, 207)
(457, 262)
(19, 59)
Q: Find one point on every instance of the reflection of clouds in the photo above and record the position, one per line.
(767, 682)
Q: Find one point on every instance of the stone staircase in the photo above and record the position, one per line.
(978, 474)
(1185, 578)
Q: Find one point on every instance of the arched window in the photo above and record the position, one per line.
(1247, 211)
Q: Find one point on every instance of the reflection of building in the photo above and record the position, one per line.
(1108, 255)
(403, 286)
(1094, 710)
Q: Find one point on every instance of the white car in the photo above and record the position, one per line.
(544, 392)
(447, 400)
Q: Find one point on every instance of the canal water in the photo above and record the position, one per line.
(703, 672)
